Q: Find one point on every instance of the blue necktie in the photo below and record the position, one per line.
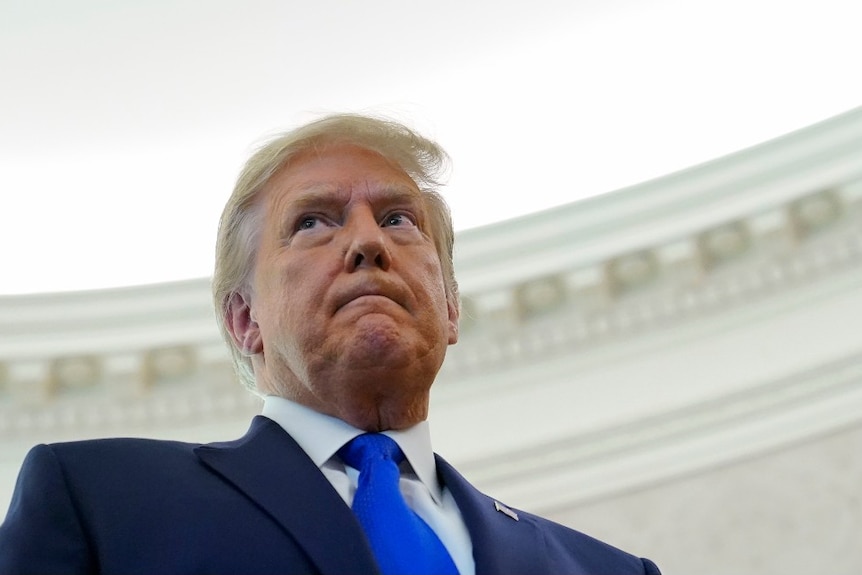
(401, 541)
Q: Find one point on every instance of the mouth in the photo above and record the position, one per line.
(369, 294)
(369, 300)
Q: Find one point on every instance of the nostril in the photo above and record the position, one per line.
(367, 254)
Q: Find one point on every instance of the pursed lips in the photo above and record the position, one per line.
(363, 291)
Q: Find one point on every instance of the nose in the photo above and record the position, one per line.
(367, 244)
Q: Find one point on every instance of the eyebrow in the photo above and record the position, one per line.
(315, 194)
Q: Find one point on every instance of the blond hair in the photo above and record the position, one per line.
(238, 234)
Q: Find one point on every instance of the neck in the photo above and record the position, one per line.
(372, 404)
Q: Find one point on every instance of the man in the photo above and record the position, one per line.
(337, 297)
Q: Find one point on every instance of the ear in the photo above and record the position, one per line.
(454, 316)
(242, 328)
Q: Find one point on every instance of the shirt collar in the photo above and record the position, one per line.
(321, 436)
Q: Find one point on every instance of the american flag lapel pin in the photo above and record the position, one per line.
(505, 510)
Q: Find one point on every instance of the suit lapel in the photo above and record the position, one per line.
(273, 471)
(501, 543)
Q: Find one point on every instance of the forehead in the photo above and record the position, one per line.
(339, 170)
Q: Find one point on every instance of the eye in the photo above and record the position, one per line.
(307, 222)
(398, 219)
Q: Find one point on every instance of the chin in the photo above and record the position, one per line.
(371, 354)
(381, 341)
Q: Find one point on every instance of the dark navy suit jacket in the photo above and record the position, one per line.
(254, 505)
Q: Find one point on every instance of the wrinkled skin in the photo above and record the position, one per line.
(347, 312)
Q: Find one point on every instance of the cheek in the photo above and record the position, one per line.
(432, 284)
(274, 307)
(299, 290)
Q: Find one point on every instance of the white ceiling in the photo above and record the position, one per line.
(124, 122)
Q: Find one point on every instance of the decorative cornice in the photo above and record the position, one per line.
(510, 328)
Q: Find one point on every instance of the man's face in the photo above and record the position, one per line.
(347, 311)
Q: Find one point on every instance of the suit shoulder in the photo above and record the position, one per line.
(559, 549)
(114, 451)
(603, 557)
(117, 444)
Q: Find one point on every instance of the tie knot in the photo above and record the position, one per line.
(368, 448)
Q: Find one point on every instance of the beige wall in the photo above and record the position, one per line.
(793, 510)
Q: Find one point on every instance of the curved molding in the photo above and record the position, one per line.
(571, 328)
(753, 183)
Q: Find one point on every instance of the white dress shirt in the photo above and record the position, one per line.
(321, 436)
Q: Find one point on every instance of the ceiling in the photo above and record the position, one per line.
(123, 123)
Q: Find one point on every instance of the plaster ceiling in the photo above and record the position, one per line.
(123, 123)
